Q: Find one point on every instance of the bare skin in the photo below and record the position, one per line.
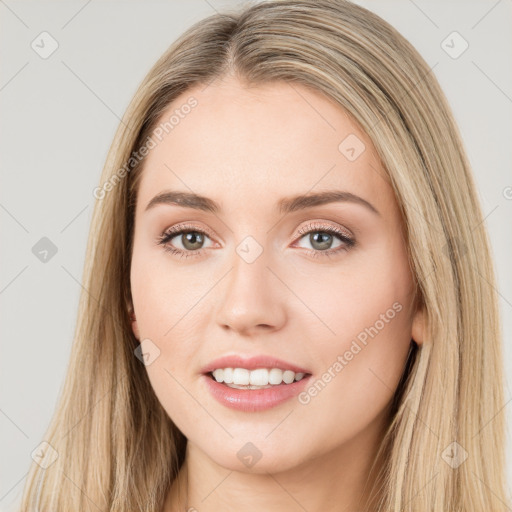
(247, 149)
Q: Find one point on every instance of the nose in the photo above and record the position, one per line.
(253, 299)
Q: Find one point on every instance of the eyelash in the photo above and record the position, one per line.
(171, 233)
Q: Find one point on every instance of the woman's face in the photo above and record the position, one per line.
(321, 285)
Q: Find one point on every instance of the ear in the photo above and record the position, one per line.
(135, 327)
(419, 325)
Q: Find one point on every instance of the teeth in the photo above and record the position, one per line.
(275, 376)
(227, 375)
(242, 378)
(258, 377)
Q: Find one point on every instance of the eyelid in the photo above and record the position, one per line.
(312, 224)
(321, 224)
(184, 226)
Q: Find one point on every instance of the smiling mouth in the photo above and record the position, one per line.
(260, 378)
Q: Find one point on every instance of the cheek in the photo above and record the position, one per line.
(163, 294)
(362, 369)
(171, 305)
(162, 301)
(174, 391)
(367, 296)
(363, 339)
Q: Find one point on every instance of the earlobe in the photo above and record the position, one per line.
(135, 327)
(418, 326)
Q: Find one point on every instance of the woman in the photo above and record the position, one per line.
(288, 300)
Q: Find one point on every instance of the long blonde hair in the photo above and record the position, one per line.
(117, 448)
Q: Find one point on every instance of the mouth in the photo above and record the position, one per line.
(254, 384)
(253, 391)
(259, 378)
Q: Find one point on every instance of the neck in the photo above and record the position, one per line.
(339, 480)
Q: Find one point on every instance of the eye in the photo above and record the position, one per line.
(322, 237)
(189, 237)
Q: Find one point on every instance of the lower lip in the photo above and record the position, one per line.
(253, 400)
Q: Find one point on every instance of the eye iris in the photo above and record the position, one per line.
(192, 238)
(325, 240)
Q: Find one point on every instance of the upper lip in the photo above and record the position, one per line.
(251, 363)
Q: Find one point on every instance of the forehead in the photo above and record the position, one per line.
(276, 139)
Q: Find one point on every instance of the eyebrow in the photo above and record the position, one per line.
(285, 205)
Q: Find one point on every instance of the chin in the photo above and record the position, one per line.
(254, 458)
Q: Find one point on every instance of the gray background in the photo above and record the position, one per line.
(58, 117)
